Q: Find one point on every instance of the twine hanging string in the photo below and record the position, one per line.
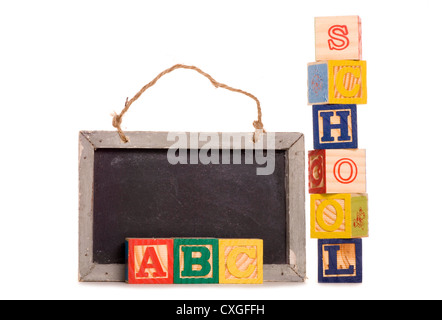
(118, 118)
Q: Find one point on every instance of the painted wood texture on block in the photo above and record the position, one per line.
(149, 261)
(240, 261)
(335, 126)
(340, 260)
(338, 38)
(334, 216)
(337, 82)
(196, 261)
(337, 171)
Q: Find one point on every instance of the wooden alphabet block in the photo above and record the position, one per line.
(337, 82)
(149, 261)
(196, 261)
(334, 216)
(338, 38)
(337, 171)
(335, 126)
(240, 261)
(340, 260)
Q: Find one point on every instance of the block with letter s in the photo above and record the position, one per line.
(338, 38)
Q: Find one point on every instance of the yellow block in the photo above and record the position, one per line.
(330, 216)
(240, 261)
(338, 216)
(347, 82)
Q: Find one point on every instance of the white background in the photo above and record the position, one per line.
(66, 65)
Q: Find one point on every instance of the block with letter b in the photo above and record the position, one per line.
(337, 82)
(335, 126)
(240, 261)
(338, 38)
(340, 260)
(337, 171)
(149, 261)
(196, 260)
(334, 216)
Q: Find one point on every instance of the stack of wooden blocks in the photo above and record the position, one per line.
(337, 179)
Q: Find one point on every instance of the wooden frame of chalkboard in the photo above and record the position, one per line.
(291, 144)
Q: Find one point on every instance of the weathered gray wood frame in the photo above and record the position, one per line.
(292, 142)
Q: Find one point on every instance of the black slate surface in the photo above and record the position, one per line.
(138, 193)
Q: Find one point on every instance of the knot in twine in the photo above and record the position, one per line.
(258, 125)
(118, 118)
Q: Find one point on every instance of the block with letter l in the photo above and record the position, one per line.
(340, 260)
(335, 127)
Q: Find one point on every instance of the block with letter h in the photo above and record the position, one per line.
(335, 127)
(194, 260)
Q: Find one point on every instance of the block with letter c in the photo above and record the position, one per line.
(240, 261)
(337, 82)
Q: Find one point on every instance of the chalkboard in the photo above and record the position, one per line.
(133, 190)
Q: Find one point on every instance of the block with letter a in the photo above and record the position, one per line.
(149, 261)
(338, 38)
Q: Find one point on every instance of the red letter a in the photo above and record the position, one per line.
(155, 264)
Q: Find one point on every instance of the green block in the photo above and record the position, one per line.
(359, 216)
(195, 260)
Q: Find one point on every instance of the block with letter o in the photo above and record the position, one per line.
(337, 171)
(334, 216)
